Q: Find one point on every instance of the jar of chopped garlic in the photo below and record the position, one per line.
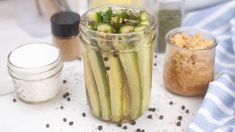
(189, 61)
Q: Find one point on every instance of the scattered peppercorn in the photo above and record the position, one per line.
(187, 111)
(119, 124)
(150, 116)
(100, 127)
(79, 58)
(155, 64)
(106, 59)
(153, 109)
(124, 127)
(142, 130)
(68, 99)
(178, 123)
(155, 56)
(64, 81)
(107, 68)
(67, 94)
(150, 109)
(138, 130)
(64, 119)
(14, 100)
(161, 117)
(180, 118)
(64, 96)
(133, 122)
(61, 107)
(115, 54)
(47, 125)
(183, 107)
(84, 114)
(71, 123)
(171, 103)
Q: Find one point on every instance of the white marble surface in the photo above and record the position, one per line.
(23, 117)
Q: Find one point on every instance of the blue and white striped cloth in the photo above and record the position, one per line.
(217, 112)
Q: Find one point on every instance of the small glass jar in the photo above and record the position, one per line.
(188, 71)
(118, 85)
(169, 15)
(36, 71)
(65, 30)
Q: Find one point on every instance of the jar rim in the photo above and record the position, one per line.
(192, 30)
(83, 26)
(56, 61)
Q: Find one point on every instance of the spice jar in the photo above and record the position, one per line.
(117, 42)
(35, 70)
(65, 29)
(189, 61)
(169, 16)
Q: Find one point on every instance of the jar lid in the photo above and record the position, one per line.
(65, 24)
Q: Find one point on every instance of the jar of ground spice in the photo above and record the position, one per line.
(169, 15)
(65, 30)
(189, 61)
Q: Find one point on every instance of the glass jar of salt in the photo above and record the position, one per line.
(35, 69)
(169, 15)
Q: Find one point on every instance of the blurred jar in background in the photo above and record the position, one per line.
(169, 14)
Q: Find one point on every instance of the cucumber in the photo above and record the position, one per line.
(126, 29)
(130, 66)
(95, 17)
(144, 22)
(145, 56)
(91, 87)
(114, 75)
(144, 16)
(99, 73)
(105, 28)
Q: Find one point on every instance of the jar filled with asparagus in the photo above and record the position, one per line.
(118, 55)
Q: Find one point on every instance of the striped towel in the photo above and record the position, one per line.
(217, 112)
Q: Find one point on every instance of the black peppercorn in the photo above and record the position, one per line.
(180, 118)
(171, 103)
(138, 130)
(133, 122)
(178, 124)
(142, 130)
(84, 114)
(100, 127)
(61, 107)
(64, 81)
(64, 119)
(71, 123)
(161, 117)
(187, 111)
(124, 127)
(107, 68)
(106, 59)
(153, 109)
(47, 125)
(150, 116)
(68, 99)
(14, 100)
(183, 107)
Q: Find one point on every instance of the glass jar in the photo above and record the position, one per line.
(188, 71)
(36, 71)
(169, 15)
(118, 85)
(65, 30)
